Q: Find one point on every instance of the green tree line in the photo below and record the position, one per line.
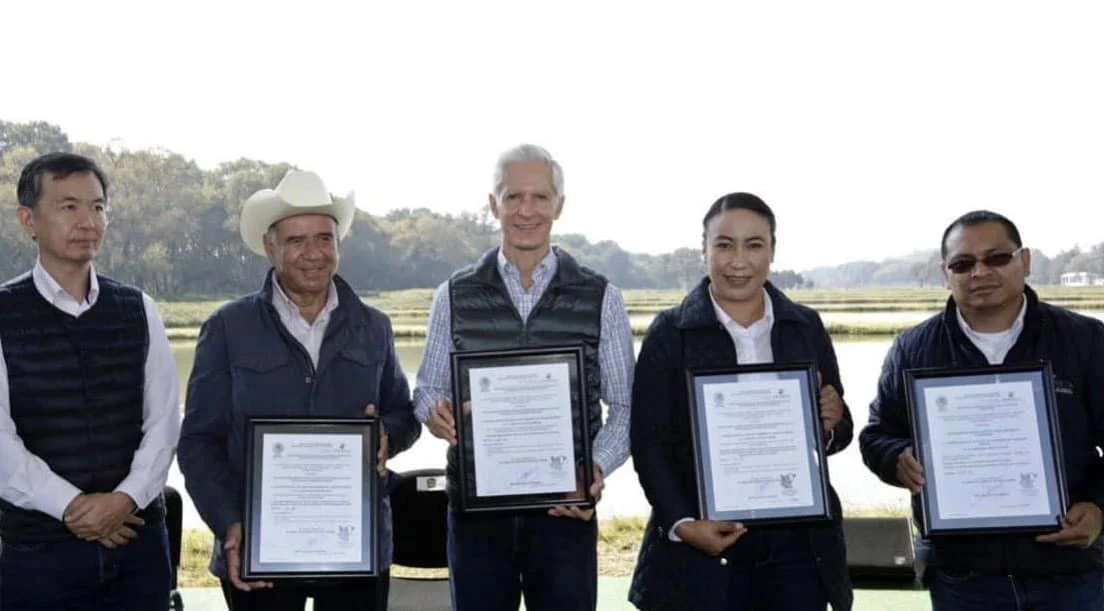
(174, 232)
(173, 228)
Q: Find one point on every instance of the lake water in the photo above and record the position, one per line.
(860, 364)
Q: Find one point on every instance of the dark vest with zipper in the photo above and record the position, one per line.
(76, 390)
(569, 312)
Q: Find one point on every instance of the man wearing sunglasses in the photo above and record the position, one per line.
(991, 318)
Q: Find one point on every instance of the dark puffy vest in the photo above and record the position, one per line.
(569, 312)
(75, 387)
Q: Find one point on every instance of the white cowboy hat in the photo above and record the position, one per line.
(300, 192)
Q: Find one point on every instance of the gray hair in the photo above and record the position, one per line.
(523, 153)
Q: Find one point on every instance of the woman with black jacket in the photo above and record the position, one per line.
(735, 316)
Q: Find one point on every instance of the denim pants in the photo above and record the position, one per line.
(953, 590)
(496, 559)
(80, 575)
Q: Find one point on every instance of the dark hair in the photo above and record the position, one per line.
(58, 165)
(740, 201)
(978, 217)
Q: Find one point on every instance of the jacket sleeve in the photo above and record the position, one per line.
(396, 410)
(887, 432)
(656, 382)
(204, 436)
(844, 430)
(1094, 387)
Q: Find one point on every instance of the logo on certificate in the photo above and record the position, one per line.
(941, 403)
(556, 463)
(1027, 483)
(277, 450)
(787, 481)
(718, 400)
(484, 384)
(345, 533)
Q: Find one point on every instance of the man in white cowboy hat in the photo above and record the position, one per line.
(303, 345)
(89, 412)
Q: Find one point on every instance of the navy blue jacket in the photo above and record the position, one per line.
(1074, 345)
(672, 575)
(248, 365)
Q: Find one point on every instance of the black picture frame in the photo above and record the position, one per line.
(1001, 490)
(777, 482)
(363, 433)
(468, 497)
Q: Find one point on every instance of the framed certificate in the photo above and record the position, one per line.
(989, 443)
(758, 447)
(310, 499)
(521, 424)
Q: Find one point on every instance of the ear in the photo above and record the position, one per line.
(492, 203)
(26, 219)
(1026, 254)
(946, 276)
(559, 207)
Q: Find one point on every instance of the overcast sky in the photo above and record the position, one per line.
(868, 126)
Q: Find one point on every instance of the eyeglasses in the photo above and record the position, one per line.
(996, 259)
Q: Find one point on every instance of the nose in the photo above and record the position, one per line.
(89, 219)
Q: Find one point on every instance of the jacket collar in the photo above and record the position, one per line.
(346, 296)
(1031, 324)
(696, 309)
(950, 312)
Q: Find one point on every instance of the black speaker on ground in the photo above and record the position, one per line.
(880, 551)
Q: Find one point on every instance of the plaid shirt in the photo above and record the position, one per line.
(615, 356)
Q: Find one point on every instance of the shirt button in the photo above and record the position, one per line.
(724, 561)
(307, 379)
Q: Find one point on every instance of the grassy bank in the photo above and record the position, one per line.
(409, 309)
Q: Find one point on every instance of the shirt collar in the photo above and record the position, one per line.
(766, 322)
(547, 266)
(282, 301)
(1013, 331)
(52, 292)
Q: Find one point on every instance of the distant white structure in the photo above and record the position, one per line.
(1082, 279)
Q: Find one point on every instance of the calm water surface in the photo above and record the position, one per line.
(860, 364)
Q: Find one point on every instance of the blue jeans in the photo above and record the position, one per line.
(495, 559)
(775, 570)
(970, 590)
(80, 575)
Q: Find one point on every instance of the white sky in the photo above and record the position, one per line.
(867, 126)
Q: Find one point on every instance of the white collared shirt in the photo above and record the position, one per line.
(995, 346)
(310, 335)
(26, 480)
(752, 342)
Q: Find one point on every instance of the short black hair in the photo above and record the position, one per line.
(740, 201)
(978, 217)
(59, 165)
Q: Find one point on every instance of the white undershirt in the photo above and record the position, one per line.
(995, 346)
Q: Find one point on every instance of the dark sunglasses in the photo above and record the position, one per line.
(997, 259)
